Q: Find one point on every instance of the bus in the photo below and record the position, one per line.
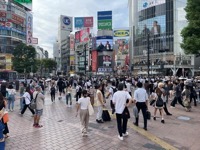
(8, 75)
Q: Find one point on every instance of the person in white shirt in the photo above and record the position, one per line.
(111, 91)
(128, 87)
(27, 101)
(83, 103)
(122, 113)
(141, 98)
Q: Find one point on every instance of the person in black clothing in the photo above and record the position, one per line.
(3, 89)
(53, 92)
(193, 96)
(60, 87)
(3, 105)
(177, 95)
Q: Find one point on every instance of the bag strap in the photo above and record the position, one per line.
(35, 97)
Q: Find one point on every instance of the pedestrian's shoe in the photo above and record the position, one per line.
(172, 106)
(168, 114)
(120, 138)
(145, 128)
(125, 134)
(99, 121)
(113, 111)
(136, 124)
(163, 121)
(38, 126)
(154, 118)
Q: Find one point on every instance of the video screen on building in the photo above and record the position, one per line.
(104, 43)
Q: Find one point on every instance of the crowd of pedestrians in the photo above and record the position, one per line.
(121, 93)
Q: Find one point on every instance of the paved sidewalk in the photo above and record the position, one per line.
(61, 131)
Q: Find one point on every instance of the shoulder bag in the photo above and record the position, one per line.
(33, 102)
(90, 109)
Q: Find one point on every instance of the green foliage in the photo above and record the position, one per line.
(191, 33)
(48, 63)
(24, 59)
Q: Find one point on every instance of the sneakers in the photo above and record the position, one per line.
(154, 118)
(172, 106)
(99, 121)
(125, 134)
(120, 138)
(84, 134)
(163, 121)
(38, 126)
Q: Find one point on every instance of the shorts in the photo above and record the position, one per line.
(39, 112)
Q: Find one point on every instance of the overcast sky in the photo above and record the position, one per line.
(47, 12)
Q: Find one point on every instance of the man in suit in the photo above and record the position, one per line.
(155, 30)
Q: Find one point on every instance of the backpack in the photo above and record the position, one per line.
(114, 90)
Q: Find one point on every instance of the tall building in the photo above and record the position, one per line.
(15, 27)
(159, 23)
(57, 55)
(64, 30)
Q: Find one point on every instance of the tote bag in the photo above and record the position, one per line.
(90, 109)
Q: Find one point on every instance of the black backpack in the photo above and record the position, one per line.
(53, 89)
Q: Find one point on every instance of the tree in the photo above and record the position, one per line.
(191, 33)
(47, 64)
(24, 60)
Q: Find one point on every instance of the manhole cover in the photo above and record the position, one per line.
(184, 118)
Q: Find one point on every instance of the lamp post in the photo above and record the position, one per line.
(148, 49)
(85, 60)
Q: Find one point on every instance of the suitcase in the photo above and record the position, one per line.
(106, 115)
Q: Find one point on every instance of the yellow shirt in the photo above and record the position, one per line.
(98, 101)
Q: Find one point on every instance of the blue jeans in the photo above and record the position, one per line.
(21, 102)
(69, 97)
(11, 102)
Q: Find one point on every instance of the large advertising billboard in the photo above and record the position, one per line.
(83, 22)
(72, 45)
(104, 43)
(144, 4)
(25, 3)
(84, 35)
(29, 28)
(104, 20)
(66, 23)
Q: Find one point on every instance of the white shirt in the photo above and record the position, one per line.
(119, 99)
(155, 30)
(112, 92)
(140, 95)
(128, 87)
(84, 102)
(27, 97)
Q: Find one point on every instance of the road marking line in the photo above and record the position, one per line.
(149, 135)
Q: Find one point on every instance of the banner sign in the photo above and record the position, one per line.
(121, 33)
(94, 60)
(34, 40)
(83, 22)
(104, 20)
(66, 23)
(29, 28)
(25, 3)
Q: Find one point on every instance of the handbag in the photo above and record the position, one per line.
(33, 103)
(106, 115)
(125, 113)
(135, 111)
(5, 117)
(148, 115)
(90, 109)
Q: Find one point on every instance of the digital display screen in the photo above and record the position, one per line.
(104, 43)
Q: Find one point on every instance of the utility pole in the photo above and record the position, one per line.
(148, 49)
(85, 63)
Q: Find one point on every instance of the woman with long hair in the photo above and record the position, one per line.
(159, 104)
(11, 97)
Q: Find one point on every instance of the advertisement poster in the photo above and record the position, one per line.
(77, 37)
(84, 35)
(104, 43)
(83, 22)
(121, 33)
(94, 60)
(144, 4)
(29, 26)
(72, 42)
